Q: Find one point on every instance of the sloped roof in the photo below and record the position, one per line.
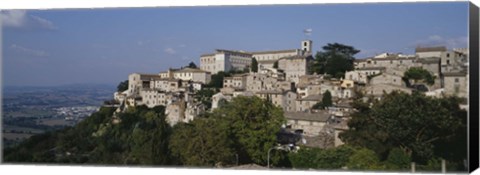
(308, 116)
(431, 49)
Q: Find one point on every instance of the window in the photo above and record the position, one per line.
(305, 44)
(456, 80)
(448, 62)
(448, 55)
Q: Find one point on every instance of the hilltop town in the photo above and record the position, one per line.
(285, 78)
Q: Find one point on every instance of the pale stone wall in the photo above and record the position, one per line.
(456, 84)
(379, 89)
(310, 128)
(387, 79)
(294, 68)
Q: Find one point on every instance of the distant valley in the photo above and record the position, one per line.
(32, 110)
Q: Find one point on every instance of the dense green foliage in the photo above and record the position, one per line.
(122, 86)
(327, 99)
(240, 131)
(418, 73)
(423, 127)
(387, 135)
(333, 158)
(398, 160)
(253, 124)
(216, 80)
(205, 97)
(364, 159)
(204, 142)
(335, 60)
(141, 138)
(254, 65)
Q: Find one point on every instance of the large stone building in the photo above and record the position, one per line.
(187, 74)
(226, 60)
(294, 67)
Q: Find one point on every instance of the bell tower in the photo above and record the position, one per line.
(307, 47)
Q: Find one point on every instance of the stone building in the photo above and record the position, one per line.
(379, 89)
(237, 81)
(456, 83)
(175, 112)
(225, 60)
(187, 74)
(386, 78)
(294, 67)
(306, 103)
(310, 123)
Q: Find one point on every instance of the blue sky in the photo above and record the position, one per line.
(103, 46)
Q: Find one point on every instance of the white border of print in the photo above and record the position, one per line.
(82, 170)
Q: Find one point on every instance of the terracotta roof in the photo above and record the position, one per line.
(431, 49)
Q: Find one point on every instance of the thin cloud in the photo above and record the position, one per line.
(28, 51)
(20, 19)
(170, 51)
(437, 40)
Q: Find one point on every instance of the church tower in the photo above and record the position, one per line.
(307, 47)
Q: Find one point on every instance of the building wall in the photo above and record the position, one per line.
(377, 90)
(429, 54)
(456, 85)
(175, 112)
(357, 76)
(207, 63)
(274, 56)
(310, 128)
(134, 83)
(304, 105)
(387, 79)
(289, 101)
(152, 98)
(293, 68)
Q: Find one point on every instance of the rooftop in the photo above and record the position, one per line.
(274, 51)
(308, 116)
(431, 49)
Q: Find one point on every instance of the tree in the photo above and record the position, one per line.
(253, 123)
(363, 159)
(326, 99)
(192, 65)
(205, 97)
(418, 73)
(203, 142)
(122, 86)
(423, 127)
(398, 160)
(217, 80)
(317, 158)
(254, 65)
(335, 60)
